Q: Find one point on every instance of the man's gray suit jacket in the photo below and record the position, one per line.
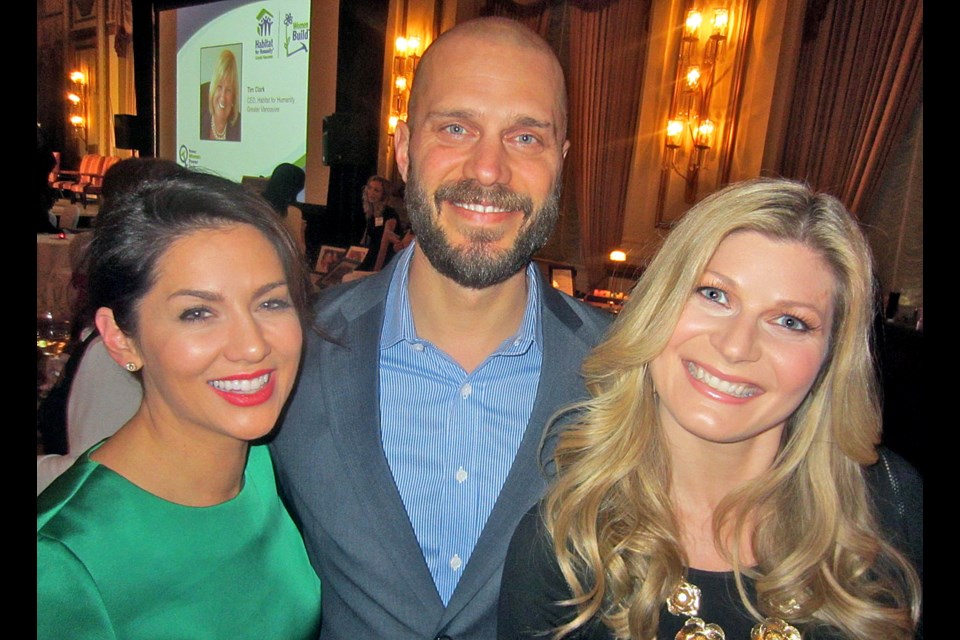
(339, 487)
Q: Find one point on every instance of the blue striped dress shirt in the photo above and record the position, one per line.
(450, 437)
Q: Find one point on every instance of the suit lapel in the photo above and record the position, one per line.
(350, 381)
(563, 351)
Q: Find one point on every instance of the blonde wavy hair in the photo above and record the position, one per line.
(820, 558)
(226, 66)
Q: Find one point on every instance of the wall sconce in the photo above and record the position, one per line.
(77, 97)
(701, 125)
(690, 127)
(406, 58)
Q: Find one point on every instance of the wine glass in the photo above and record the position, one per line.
(53, 336)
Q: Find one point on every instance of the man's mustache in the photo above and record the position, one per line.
(471, 192)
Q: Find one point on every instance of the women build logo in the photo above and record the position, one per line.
(295, 35)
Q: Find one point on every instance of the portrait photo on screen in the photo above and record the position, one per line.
(249, 62)
(220, 93)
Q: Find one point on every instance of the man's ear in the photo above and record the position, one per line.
(401, 148)
(120, 346)
(566, 147)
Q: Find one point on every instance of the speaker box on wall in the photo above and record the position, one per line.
(126, 131)
(344, 140)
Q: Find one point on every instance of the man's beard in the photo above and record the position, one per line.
(478, 264)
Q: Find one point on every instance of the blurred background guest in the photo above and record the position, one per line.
(92, 397)
(286, 182)
(380, 232)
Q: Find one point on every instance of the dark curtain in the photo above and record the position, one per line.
(602, 46)
(858, 82)
(607, 55)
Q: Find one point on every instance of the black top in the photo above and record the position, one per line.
(532, 581)
(374, 232)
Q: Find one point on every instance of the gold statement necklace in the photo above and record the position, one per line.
(685, 601)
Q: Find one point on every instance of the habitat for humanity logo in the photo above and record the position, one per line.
(295, 35)
(264, 45)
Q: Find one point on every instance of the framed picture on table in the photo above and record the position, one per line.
(336, 273)
(357, 253)
(562, 279)
(328, 258)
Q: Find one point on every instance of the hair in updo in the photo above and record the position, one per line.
(136, 227)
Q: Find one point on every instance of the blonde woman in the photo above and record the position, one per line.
(724, 480)
(221, 122)
(381, 224)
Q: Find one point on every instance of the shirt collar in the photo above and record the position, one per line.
(398, 318)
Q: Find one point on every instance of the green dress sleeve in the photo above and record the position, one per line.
(68, 600)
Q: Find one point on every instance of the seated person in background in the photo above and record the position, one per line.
(403, 230)
(100, 398)
(93, 397)
(381, 224)
(172, 527)
(725, 471)
(285, 183)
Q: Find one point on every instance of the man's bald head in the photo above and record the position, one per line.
(482, 151)
(507, 34)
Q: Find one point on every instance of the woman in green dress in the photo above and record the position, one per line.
(172, 528)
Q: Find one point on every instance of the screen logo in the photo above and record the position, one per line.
(265, 44)
(295, 35)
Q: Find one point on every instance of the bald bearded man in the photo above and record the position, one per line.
(413, 444)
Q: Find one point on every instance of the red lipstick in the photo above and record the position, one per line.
(247, 399)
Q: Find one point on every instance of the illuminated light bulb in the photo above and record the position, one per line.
(705, 134)
(74, 98)
(413, 44)
(674, 133)
(692, 78)
(618, 256)
(392, 123)
(401, 83)
(78, 76)
(402, 45)
(692, 23)
(720, 19)
(76, 121)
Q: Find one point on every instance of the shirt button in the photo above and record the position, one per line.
(461, 475)
(417, 346)
(516, 342)
(455, 562)
(466, 390)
